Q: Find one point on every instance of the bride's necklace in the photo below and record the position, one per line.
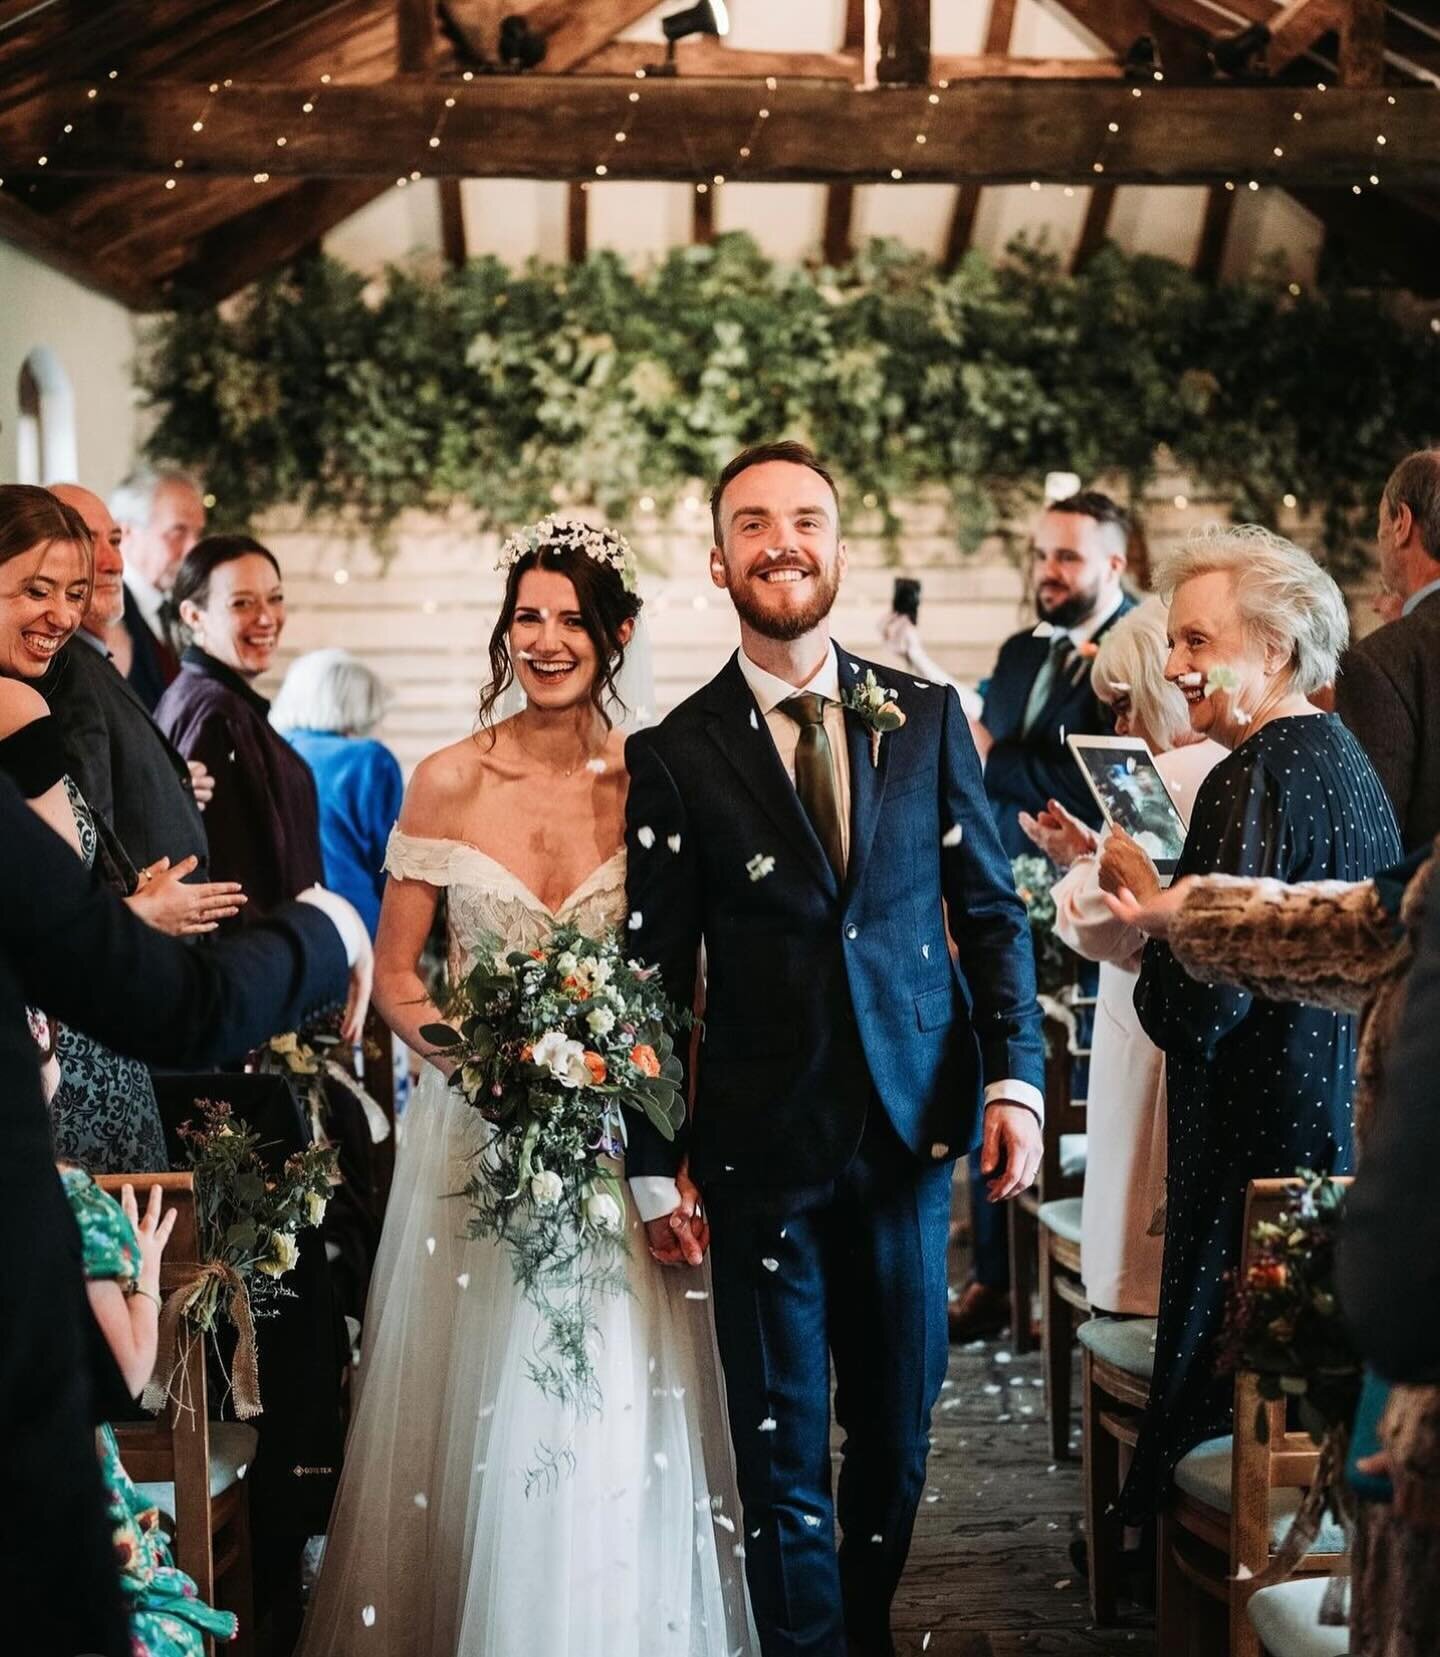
(586, 759)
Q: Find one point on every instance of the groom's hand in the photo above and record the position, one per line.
(680, 1237)
(1011, 1150)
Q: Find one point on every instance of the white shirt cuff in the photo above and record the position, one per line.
(1016, 1093)
(656, 1195)
(344, 917)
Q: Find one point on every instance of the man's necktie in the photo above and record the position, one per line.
(815, 775)
(1061, 645)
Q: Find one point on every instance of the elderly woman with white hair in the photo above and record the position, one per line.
(326, 709)
(1125, 1157)
(1256, 1088)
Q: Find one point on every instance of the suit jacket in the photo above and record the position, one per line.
(1388, 693)
(153, 663)
(128, 771)
(822, 996)
(70, 946)
(1389, 1263)
(1025, 769)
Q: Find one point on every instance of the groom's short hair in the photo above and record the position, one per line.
(760, 454)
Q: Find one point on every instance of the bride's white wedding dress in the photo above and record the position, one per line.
(435, 1549)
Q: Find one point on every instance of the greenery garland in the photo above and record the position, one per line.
(595, 383)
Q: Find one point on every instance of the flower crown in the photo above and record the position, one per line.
(604, 545)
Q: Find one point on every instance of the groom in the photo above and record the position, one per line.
(846, 1059)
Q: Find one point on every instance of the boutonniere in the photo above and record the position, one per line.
(1085, 654)
(877, 709)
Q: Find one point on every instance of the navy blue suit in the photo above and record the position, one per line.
(1025, 769)
(842, 1067)
(153, 664)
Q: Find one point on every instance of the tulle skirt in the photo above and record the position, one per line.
(436, 1548)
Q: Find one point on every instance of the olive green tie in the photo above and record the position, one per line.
(815, 775)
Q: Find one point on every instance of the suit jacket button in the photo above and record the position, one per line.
(852, 931)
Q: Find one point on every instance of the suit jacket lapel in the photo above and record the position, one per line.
(736, 728)
(867, 778)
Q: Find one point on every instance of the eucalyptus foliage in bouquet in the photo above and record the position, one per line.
(1034, 878)
(552, 1048)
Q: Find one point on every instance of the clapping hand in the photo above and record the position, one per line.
(163, 901)
(681, 1236)
(1153, 917)
(153, 1233)
(1124, 864)
(1060, 834)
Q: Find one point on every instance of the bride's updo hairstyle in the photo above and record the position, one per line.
(600, 566)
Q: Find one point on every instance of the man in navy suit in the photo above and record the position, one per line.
(847, 1059)
(161, 514)
(1039, 694)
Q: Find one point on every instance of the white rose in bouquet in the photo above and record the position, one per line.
(284, 1252)
(547, 1188)
(562, 1057)
(565, 964)
(603, 1212)
(601, 1020)
(315, 1206)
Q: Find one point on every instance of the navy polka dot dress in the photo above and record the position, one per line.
(1256, 1088)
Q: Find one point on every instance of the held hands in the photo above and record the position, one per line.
(1060, 834)
(680, 1237)
(1011, 1150)
(153, 1233)
(202, 784)
(163, 901)
(1124, 863)
(1154, 916)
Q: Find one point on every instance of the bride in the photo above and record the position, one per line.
(436, 1548)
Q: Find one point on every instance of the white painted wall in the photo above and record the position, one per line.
(93, 341)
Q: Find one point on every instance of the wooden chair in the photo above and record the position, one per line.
(1286, 1619)
(1118, 1359)
(190, 1467)
(1233, 1501)
(1061, 1179)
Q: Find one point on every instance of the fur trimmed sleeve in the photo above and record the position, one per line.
(1325, 943)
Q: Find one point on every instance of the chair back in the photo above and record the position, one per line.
(1267, 1456)
(1064, 1112)
(174, 1448)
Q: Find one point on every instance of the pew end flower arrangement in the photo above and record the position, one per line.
(308, 1058)
(1284, 1325)
(247, 1223)
(552, 1048)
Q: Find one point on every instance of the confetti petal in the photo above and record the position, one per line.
(953, 836)
(661, 1460)
(422, 1501)
(759, 866)
(596, 765)
(367, 1615)
(768, 1425)
(770, 1264)
(429, 1245)
(646, 836)
(637, 920)
(697, 1294)
(673, 841)
(754, 720)
(463, 1280)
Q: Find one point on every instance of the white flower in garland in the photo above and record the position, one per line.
(603, 545)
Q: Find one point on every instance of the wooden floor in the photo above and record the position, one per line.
(989, 1572)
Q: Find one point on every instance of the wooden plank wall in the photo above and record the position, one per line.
(423, 621)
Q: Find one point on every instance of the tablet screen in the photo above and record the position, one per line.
(1132, 794)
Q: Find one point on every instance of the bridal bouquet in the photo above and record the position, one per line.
(552, 1047)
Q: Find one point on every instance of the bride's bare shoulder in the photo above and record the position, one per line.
(442, 786)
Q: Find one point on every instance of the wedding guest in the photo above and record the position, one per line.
(130, 775)
(161, 514)
(264, 820)
(104, 1112)
(121, 1255)
(326, 708)
(1388, 691)
(1039, 693)
(67, 944)
(1125, 1134)
(1256, 1088)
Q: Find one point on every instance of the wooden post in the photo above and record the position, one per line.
(839, 212)
(452, 223)
(998, 28)
(1096, 228)
(577, 223)
(702, 220)
(1362, 44)
(414, 35)
(1210, 253)
(905, 42)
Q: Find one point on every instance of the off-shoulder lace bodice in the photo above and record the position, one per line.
(486, 901)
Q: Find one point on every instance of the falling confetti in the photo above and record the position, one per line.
(811, 1519)
(921, 684)
(768, 1425)
(1002, 1357)
(754, 720)
(661, 1460)
(646, 836)
(637, 920)
(463, 1280)
(854, 667)
(770, 1263)
(367, 1616)
(697, 1294)
(953, 836)
(596, 765)
(1222, 678)
(725, 1522)
(759, 866)
(429, 1245)
(877, 1538)
(1062, 733)
(673, 841)
(422, 1501)
(925, 1643)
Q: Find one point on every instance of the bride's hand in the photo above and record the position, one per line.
(681, 1236)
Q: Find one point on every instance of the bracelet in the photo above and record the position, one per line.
(145, 1294)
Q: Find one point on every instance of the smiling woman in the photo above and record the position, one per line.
(263, 821)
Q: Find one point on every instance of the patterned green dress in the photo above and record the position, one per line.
(167, 1617)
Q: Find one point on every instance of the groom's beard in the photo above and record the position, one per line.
(789, 624)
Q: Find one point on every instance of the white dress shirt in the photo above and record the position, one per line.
(1083, 631)
(148, 601)
(1421, 596)
(655, 1195)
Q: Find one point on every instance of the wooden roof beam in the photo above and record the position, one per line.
(904, 42)
(563, 127)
